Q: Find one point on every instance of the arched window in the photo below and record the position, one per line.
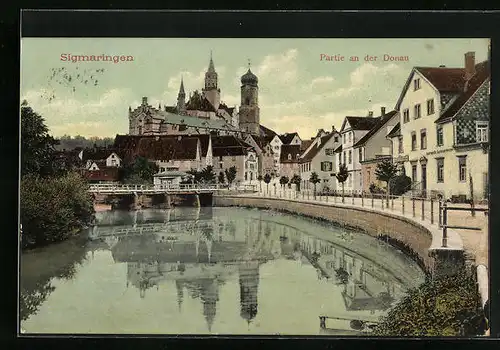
(289, 156)
(247, 101)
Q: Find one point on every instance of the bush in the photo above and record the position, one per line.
(400, 184)
(52, 209)
(376, 189)
(445, 306)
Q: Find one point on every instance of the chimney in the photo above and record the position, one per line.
(333, 128)
(370, 114)
(470, 65)
(382, 111)
(144, 101)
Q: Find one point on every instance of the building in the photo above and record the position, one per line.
(100, 165)
(444, 114)
(319, 158)
(375, 146)
(229, 151)
(290, 160)
(354, 129)
(169, 152)
(202, 112)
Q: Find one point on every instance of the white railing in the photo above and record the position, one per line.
(130, 188)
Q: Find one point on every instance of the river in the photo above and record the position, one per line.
(211, 271)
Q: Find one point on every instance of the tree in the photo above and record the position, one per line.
(231, 174)
(208, 175)
(260, 178)
(221, 178)
(386, 170)
(140, 171)
(314, 179)
(196, 176)
(37, 146)
(267, 180)
(400, 184)
(342, 176)
(283, 181)
(296, 181)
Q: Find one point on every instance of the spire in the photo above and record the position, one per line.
(181, 89)
(211, 67)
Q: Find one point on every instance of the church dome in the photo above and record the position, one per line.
(249, 78)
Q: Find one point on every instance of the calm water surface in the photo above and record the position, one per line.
(211, 270)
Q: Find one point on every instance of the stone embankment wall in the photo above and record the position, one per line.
(363, 219)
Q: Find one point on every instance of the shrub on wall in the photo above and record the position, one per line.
(444, 306)
(53, 208)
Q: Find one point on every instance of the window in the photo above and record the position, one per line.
(423, 139)
(462, 169)
(400, 144)
(162, 169)
(220, 158)
(406, 115)
(350, 157)
(430, 106)
(416, 111)
(112, 156)
(276, 148)
(439, 135)
(343, 138)
(414, 173)
(350, 137)
(481, 131)
(329, 151)
(416, 84)
(360, 154)
(369, 175)
(440, 169)
(113, 162)
(289, 156)
(246, 176)
(336, 139)
(350, 179)
(340, 158)
(344, 157)
(413, 141)
(326, 166)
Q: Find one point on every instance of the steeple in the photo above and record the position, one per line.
(181, 98)
(211, 67)
(181, 89)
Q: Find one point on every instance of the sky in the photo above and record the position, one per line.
(298, 91)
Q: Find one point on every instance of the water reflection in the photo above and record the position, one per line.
(199, 250)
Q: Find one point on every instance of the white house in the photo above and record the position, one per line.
(444, 117)
(320, 158)
(352, 130)
(374, 146)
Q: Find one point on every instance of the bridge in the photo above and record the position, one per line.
(154, 189)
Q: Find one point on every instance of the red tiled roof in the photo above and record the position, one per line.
(293, 150)
(305, 145)
(444, 79)
(198, 102)
(315, 149)
(482, 73)
(228, 145)
(165, 147)
(288, 137)
(361, 123)
(382, 121)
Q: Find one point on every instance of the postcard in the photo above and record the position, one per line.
(253, 186)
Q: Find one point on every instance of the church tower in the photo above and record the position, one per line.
(211, 90)
(249, 113)
(181, 99)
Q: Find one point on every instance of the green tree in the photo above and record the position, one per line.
(283, 181)
(260, 178)
(296, 181)
(267, 179)
(221, 179)
(37, 146)
(140, 171)
(400, 184)
(386, 170)
(53, 208)
(196, 176)
(314, 179)
(342, 176)
(231, 174)
(208, 175)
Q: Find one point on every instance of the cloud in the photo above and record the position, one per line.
(104, 116)
(321, 81)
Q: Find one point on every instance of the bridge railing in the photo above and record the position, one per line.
(166, 187)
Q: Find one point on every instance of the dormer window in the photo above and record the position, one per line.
(289, 156)
(416, 84)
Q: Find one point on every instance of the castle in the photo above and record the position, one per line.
(204, 112)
